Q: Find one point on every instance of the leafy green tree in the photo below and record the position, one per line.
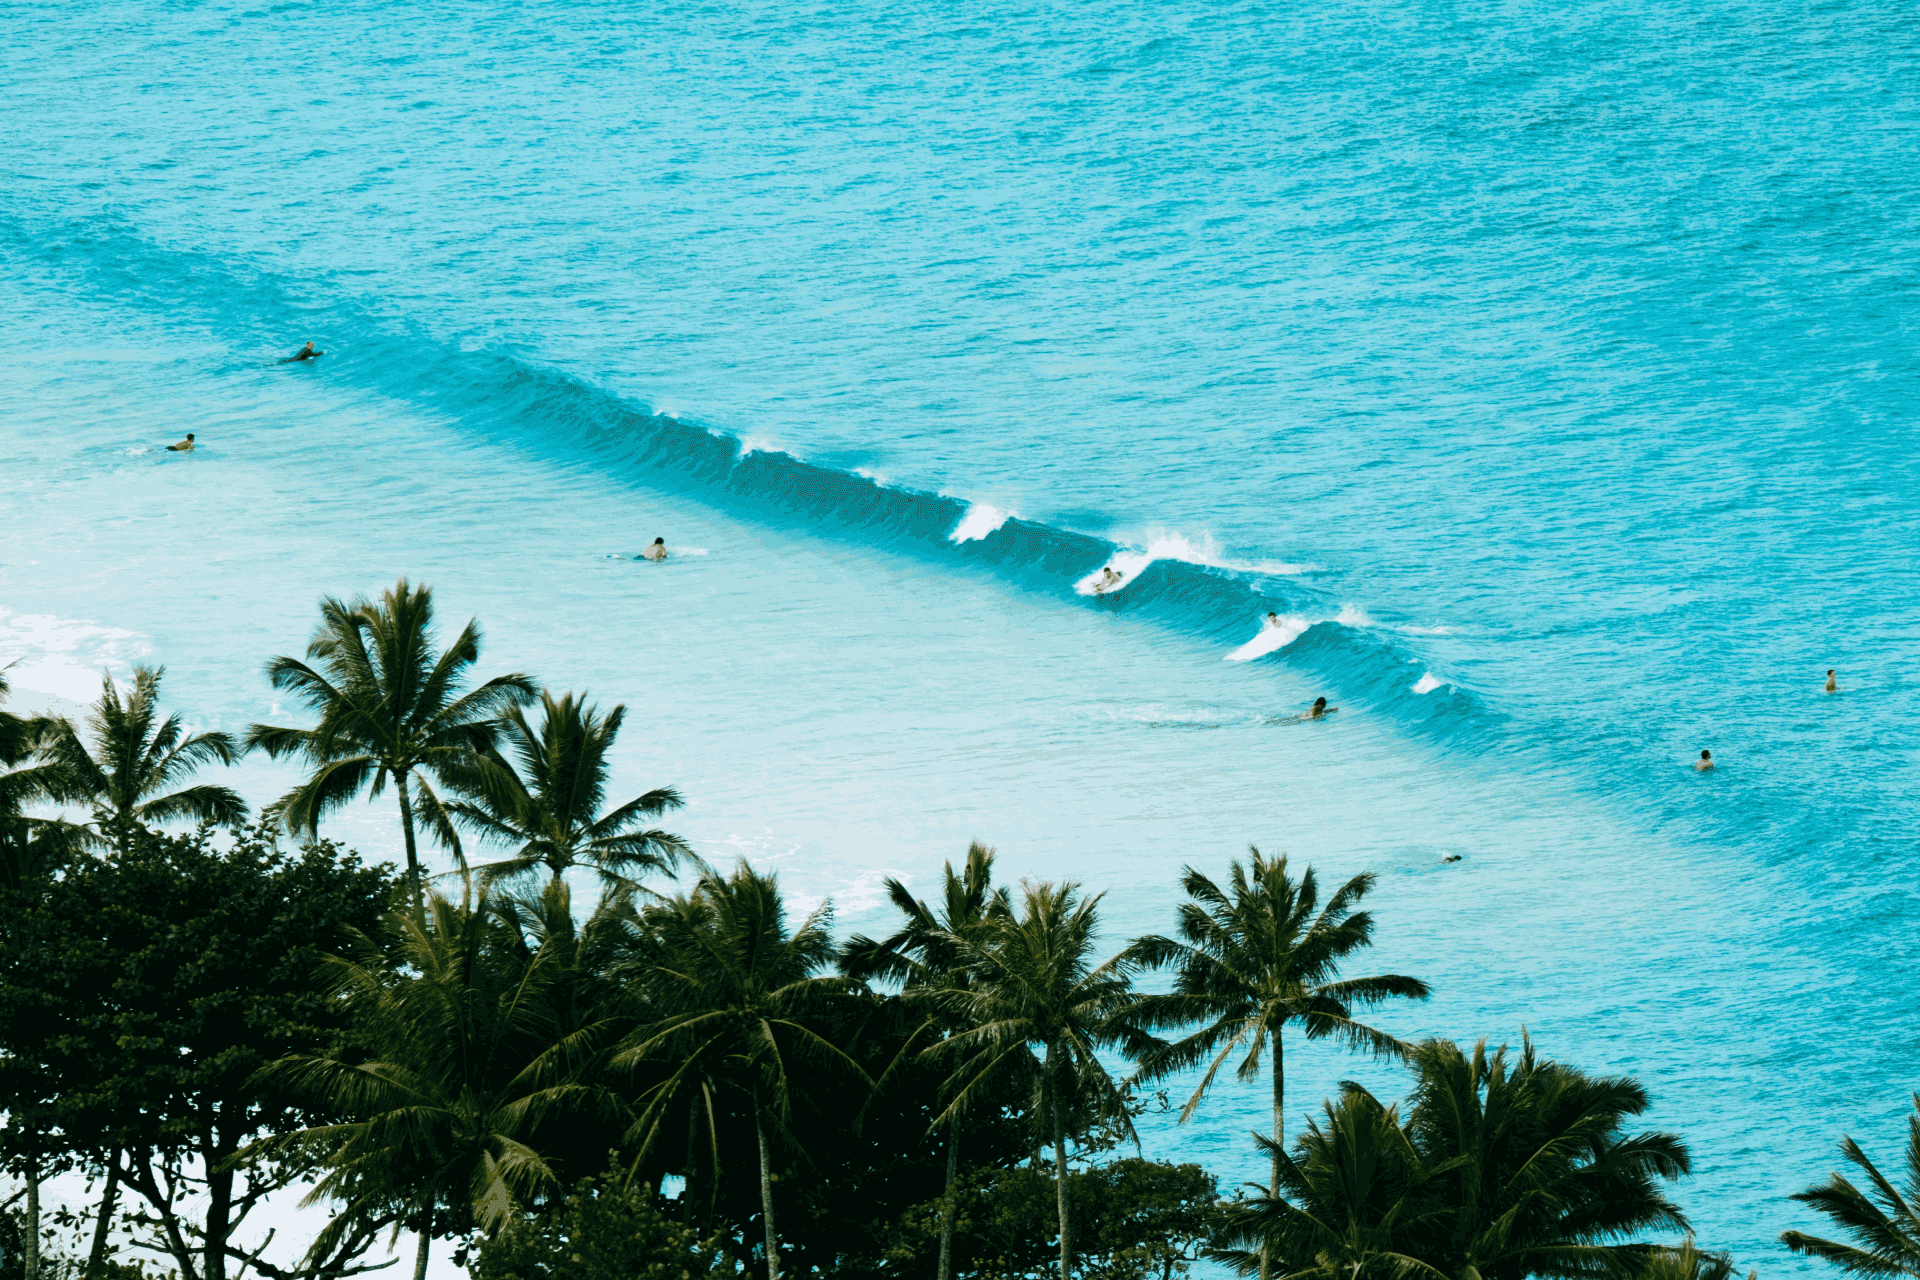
(548, 807)
(1883, 1221)
(390, 708)
(1686, 1262)
(441, 1082)
(1533, 1167)
(133, 759)
(737, 997)
(1032, 984)
(923, 957)
(1253, 958)
(139, 994)
(608, 1228)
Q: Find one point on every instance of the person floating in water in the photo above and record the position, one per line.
(1108, 581)
(1452, 857)
(1705, 762)
(305, 353)
(1320, 708)
(1273, 619)
(1833, 685)
(657, 552)
(185, 446)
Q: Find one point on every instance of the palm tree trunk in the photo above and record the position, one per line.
(1060, 1188)
(1279, 1141)
(33, 1220)
(97, 1256)
(426, 1240)
(766, 1195)
(406, 827)
(947, 1206)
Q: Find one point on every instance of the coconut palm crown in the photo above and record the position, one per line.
(131, 758)
(1883, 1219)
(391, 709)
(542, 797)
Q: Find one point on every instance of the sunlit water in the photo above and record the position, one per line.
(1549, 371)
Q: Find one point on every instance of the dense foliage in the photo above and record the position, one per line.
(685, 1080)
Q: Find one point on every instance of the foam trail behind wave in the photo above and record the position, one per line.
(1273, 635)
(981, 519)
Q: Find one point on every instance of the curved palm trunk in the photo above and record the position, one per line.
(413, 853)
(426, 1241)
(97, 1256)
(766, 1195)
(1279, 1141)
(947, 1205)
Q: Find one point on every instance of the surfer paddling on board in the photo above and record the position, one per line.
(1108, 581)
(1704, 763)
(657, 552)
(1273, 619)
(305, 353)
(1320, 708)
(1833, 685)
(185, 446)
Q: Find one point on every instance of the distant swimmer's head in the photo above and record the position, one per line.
(1705, 761)
(1319, 704)
(190, 441)
(1833, 684)
(309, 345)
(659, 542)
(1829, 673)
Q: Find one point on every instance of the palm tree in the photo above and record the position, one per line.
(452, 1015)
(549, 807)
(1030, 982)
(1349, 1204)
(922, 957)
(737, 990)
(1250, 960)
(1884, 1222)
(133, 759)
(30, 848)
(391, 710)
(1685, 1262)
(1532, 1166)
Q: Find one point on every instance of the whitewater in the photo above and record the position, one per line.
(1548, 373)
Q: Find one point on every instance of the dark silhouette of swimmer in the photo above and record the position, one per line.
(185, 446)
(1320, 708)
(1833, 685)
(305, 353)
(1705, 762)
(1452, 857)
(657, 552)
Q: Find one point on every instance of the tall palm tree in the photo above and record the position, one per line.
(1350, 1202)
(133, 758)
(1533, 1167)
(1253, 958)
(391, 710)
(737, 991)
(548, 807)
(450, 1013)
(1031, 984)
(1883, 1221)
(921, 955)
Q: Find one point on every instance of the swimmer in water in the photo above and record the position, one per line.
(1452, 857)
(1320, 708)
(305, 353)
(1108, 581)
(657, 552)
(1704, 763)
(185, 446)
(1273, 619)
(1833, 685)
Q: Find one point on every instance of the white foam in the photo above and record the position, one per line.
(1273, 635)
(1427, 683)
(1169, 544)
(1352, 615)
(980, 520)
(755, 444)
(63, 657)
(1127, 564)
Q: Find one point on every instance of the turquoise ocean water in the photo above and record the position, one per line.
(1550, 370)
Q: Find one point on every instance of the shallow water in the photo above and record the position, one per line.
(1549, 372)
